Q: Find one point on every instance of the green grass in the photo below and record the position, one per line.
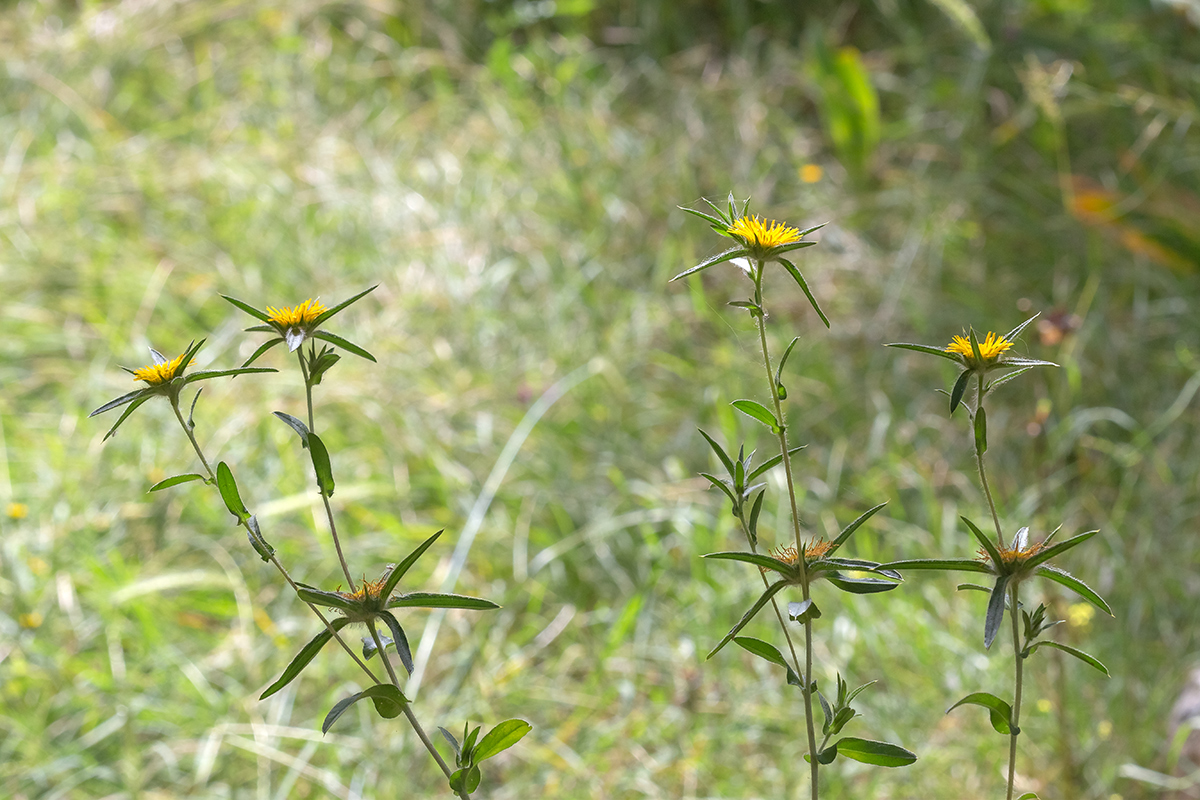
(516, 206)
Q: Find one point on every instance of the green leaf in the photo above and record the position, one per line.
(249, 309)
(999, 711)
(960, 388)
(175, 480)
(988, 545)
(229, 492)
(803, 611)
(974, 587)
(398, 571)
(1061, 547)
(465, 780)
(1064, 578)
(975, 346)
(1005, 379)
(453, 742)
(779, 388)
(995, 611)
(439, 600)
(771, 462)
(500, 738)
(345, 344)
(399, 640)
(295, 424)
(759, 412)
(723, 486)
(880, 754)
(124, 416)
(980, 430)
(942, 564)
(120, 401)
(1017, 361)
(849, 530)
(733, 252)
(389, 702)
(261, 350)
(1091, 661)
(326, 315)
(206, 374)
(763, 650)
(320, 460)
(771, 591)
(260, 545)
(758, 559)
(1028, 796)
(827, 755)
(711, 220)
(1015, 332)
(796, 276)
(924, 348)
(755, 509)
(861, 585)
(320, 597)
(721, 454)
(306, 654)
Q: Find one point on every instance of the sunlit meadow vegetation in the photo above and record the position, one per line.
(508, 173)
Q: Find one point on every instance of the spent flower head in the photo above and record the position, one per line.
(297, 324)
(756, 241)
(165, 377)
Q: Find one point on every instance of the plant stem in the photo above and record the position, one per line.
(412, 719)
(987, 492)
(337, 543)
(774, 601)
(791, 487)
(1018, 663)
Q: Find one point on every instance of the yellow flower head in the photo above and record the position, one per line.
(757, 235)
(370, 591)
(158, 374)
(1014, 556)
(17, 511)
(990, 348)
(300, 316)
(813, 550)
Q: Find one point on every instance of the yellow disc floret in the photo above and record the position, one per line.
(302, 315)
(157, 374)
(757, 235)
(990, 348)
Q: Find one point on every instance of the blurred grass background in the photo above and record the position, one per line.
(508, 173)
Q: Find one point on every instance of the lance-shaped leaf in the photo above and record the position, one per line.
(1005, 379)
(995, 611)
(943, 564)
(999, 711)
(399, 639)
(175, 480)
(796, 276)
(229, 492)
(861, 585)
(880, 754)
(1064, 578)
(771, 591)
(344, 344)
(981, 430)
(122, 400)
(1017, 361)
(767, 652)
(326, 315)
(439, 600)
(771, 462)
(975, 346)
(1015, 332)
(849, 530)
(717, 223)
(988, 545)
(205, 374)
(1061, 547)
(398, 571)
(295, 424)
(146, 394)
(306, 654)
(262, 348)
(721, 454)
(320, 461)
(320, 597)
(757, 411)
(755, 510)
(453, 741)
(732, 253)
(257, 541)
(924, 348)
(960, 388)
(757, 559)
(1090, 660)
(500, 738)
(389, 703)
(249, 309)
(723, 486)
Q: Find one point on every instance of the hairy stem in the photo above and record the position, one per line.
(1018, 663)
(987, 492)
(791, 487)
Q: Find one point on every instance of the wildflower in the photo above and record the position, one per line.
(297, 324)
(978, 358)
(757, 242)
(369, 602)
(1010, 565)
(817, 563)
(17, 511)
(164, 377)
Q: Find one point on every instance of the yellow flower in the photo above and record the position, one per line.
(990, 348)
(813, 550)
(811, 173)
(1013, 556)
(302, 315)
(157, 374)
(757, 236)
(17, 511)
(1079, 615)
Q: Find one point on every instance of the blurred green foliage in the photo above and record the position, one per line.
(508, 173)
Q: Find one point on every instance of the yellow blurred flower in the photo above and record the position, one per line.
(811, 173)
(31, 620)
(17, 511)
(1079, 615)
